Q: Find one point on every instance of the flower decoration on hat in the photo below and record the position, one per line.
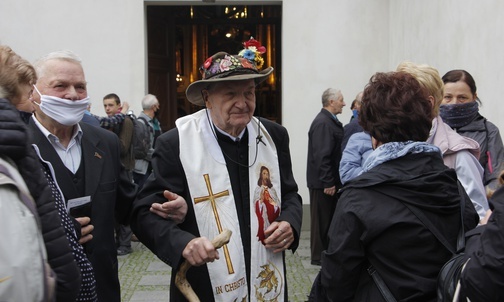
(222, 64)
(253, 51)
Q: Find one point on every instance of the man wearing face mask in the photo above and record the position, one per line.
(86, 163)
(148, 116)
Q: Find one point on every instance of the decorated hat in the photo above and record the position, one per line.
(225, 67)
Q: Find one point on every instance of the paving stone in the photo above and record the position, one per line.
(155, 280)
(304, 252)
(145, 278)
(158, 266)
(150, 296)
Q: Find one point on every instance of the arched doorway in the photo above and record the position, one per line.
(180, 38)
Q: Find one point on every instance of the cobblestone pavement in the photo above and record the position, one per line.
(144, 278)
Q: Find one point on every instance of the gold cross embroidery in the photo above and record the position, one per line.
(212, 197)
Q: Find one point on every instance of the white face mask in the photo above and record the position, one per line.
(63, 111)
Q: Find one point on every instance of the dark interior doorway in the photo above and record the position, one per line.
(181, 38)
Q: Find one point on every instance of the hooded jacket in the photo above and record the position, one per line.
(450, 142)
(492, 150)
(461, 153)
(372, 225)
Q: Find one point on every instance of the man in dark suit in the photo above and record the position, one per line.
(86, 164)
(213, 161)
(322, 171)
(87, 167)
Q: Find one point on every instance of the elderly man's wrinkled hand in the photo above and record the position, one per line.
(199, 251)
(175, 208)
(279, 236)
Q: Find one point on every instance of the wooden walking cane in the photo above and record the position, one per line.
(180, 279)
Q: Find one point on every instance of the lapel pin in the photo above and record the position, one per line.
(97, 155)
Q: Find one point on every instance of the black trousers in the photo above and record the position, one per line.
(322, 208)
(123, 235)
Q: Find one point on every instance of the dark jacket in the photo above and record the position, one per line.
(14, 143)
(372, 225)
(491, 148)
(90, 119)
(483, 277)
(324, 152)
(349, 130)
(167, 240)
(111, 192)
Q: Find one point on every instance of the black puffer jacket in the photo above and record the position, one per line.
(13, 143)
(483, 277)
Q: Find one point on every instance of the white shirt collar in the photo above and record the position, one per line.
(77, 135)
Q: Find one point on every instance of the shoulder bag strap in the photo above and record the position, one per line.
(144, 121)
(384, 290)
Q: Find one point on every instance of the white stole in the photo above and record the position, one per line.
(206, 172)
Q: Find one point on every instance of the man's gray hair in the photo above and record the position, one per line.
(330, 94)
(148, 101)
(64, 55)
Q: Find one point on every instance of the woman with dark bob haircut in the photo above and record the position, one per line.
(373, 224)
(393, 115)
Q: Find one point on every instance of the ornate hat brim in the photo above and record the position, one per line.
(193, 91)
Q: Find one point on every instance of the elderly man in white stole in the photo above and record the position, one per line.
(235, 172)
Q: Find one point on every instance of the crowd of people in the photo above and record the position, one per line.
(420, 147)
(73, 188)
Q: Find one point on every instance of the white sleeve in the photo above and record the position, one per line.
(470, 175)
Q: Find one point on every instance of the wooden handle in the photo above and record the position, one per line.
(180, 279)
